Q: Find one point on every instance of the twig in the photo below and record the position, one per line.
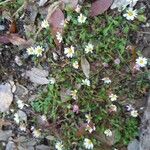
(39, 30)
(20, 8)
(144, 32)
(2, 3)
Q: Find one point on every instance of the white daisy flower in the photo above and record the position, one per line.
(113, 108)
(55, 56)
(88, 118)
(89, 48)
(20, 104)
(75, 65)
(134, 113)
(36, 133)
(44, 118)
(130, 14)
(141, 61)
(59, 146)
(59, 37)
(89, 128)
(88, 143)
(30, 51)
(86, 82)
(52, 80)
(78, 8)
(113, 97)
(22, 127)
(38, 51)
(81, 18)
(16, 118)
(74, 94)
(108, 132)
(69, 52)
(44, 24)
(106, 80)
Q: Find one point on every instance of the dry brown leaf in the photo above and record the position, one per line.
(85, 66)
(99, 7)
(13, 27)
(56, 22)
(4, 39)
(16, 40)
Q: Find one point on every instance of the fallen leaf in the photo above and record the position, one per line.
(16, 40)
(100, 6)
(4, 39)
(6, 97)
(38, 76)
(56, 21)
(85, 66)
(13, 27)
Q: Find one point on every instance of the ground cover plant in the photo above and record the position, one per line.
(87, 73)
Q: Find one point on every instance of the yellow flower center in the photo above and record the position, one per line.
(39, 51)
(130, 13)
(89, 142)
(141, 61)
(70, 51)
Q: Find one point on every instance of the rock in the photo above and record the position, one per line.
(6, 97)
(25, 143)
(42, 147)
(145, 129)
(146, 52)
(42, 2)
(38, 76)
(134, 145)
(22, 115)
(11, 146)
(2, 27)
(5, 135)
(21, 91)
(18, 61)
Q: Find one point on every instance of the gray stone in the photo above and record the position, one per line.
(145, 129)
(6, 97)
(4, 135)
(38, 76)
(10, 146)
(42, 147)
(2, 27)
(134, 145)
